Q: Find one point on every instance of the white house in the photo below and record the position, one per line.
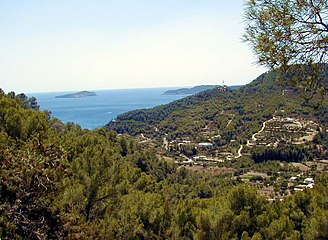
(308, 180)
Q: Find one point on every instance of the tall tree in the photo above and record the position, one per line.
(283, 33)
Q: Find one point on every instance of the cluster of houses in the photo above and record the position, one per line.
(203, 147)
(307, 183)
(295, 183)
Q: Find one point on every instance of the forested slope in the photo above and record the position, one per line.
(59, 181)
(247, 108)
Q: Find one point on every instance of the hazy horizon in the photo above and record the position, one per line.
(74, 45)
(108, 89)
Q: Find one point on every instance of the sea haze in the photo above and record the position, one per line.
(96, 111)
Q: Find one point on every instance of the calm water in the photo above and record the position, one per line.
(93, 112)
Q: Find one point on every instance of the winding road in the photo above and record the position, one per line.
(239, 151)
(253, 137)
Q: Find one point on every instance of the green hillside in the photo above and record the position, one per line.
(210, 111)
(266, 127)
(59, 181)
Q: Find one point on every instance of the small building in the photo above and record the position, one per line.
(300, 187)
(205, 145)
(293, 179)
(308, 180)
(288, 91)
(223, 88)
(199, 158)
(311, 185)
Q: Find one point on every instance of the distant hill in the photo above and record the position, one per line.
(78, 95)
(195, 90)
(187, 91)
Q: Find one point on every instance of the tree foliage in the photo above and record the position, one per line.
(59, 181)
(285, 33)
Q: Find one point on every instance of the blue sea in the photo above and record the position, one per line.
(94, 112)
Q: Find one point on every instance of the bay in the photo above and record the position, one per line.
(95, 112)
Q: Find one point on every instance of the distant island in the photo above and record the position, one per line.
(194, 90)
(78, 95)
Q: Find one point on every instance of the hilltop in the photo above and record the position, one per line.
(197, 89)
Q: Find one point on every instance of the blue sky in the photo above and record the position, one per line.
(102, 44)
